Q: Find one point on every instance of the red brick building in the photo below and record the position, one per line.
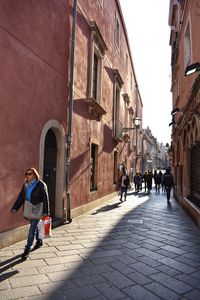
(184, 19)
(35, 72)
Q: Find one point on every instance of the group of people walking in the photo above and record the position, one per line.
(162, 181)
(34, 195)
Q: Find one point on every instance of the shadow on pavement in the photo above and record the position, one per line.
(107, 208)
(8, 264)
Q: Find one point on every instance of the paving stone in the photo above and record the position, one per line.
(177, 265)
(194, 295)
(26, 272)
(104, 260)
(105, 253)
(155, 243)
(70, 247)
(117, 279)
(4, 285)
(52, 287)
(29, 264)
(173, 249)
(196, 274)
(192, 256)
(143, 268)
(168, 270)
(189, 280)
(18, 292)
(95, 269)
(44, 255)
(67, 253)
(45, 249)
(64, 259)
(28, 280)
(131, 253)
(137, 292)
(167, 253)
(88, 292)
(149, 253)
(126, 259)
(64, 275)
(161, 291)
(53, 268)
(131, 245)
(88, 280)
(56, 296)
(139, 278)
(149, 261)
(121, 267)
(171, 283)
(149, 247)
(109, 291)
(6, 253)
(188, 261)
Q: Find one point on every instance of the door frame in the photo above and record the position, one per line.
(60, 193)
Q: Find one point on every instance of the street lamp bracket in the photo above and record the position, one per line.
(137, 122)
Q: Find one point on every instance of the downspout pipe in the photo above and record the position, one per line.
(70, 114)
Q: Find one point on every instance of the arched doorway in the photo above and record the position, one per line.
(49, 172)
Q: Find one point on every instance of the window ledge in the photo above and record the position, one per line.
(95, 108)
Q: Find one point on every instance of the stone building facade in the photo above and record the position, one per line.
(184, 21)
(35, 72)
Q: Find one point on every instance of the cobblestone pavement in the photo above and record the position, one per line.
(142, 248)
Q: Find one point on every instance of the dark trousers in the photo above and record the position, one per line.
(33, 230)
(168, 190)
(123, 191)
(137, 187)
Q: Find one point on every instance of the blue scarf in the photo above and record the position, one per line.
(29, 187)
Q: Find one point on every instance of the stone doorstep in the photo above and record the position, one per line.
(192, 210)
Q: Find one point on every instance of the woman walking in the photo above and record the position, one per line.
(33, 194)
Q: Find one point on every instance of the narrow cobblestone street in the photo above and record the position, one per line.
(142, 248)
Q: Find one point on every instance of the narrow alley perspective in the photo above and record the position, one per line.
(100, 147)
(141, 248)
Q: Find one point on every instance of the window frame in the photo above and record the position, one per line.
(187, 45)
(117, 32)
(93, 167)
(98, 50)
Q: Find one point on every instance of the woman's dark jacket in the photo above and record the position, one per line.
(38, 194)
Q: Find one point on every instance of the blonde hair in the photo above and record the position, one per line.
(35, 172)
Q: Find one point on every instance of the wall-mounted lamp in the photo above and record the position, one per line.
(175, 110)
(192, 69)
(137, 123)
(173, 121)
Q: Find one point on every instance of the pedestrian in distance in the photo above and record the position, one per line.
(35, 192)
(158, 181)
(145, 180)
(141, 180)
(168, 181)
(136, 181)
(124, 183)
(149, 178)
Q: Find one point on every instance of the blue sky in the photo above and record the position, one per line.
(148, 32)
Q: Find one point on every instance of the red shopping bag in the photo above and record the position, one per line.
(44, 227)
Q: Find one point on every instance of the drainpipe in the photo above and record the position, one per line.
(70, 113)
